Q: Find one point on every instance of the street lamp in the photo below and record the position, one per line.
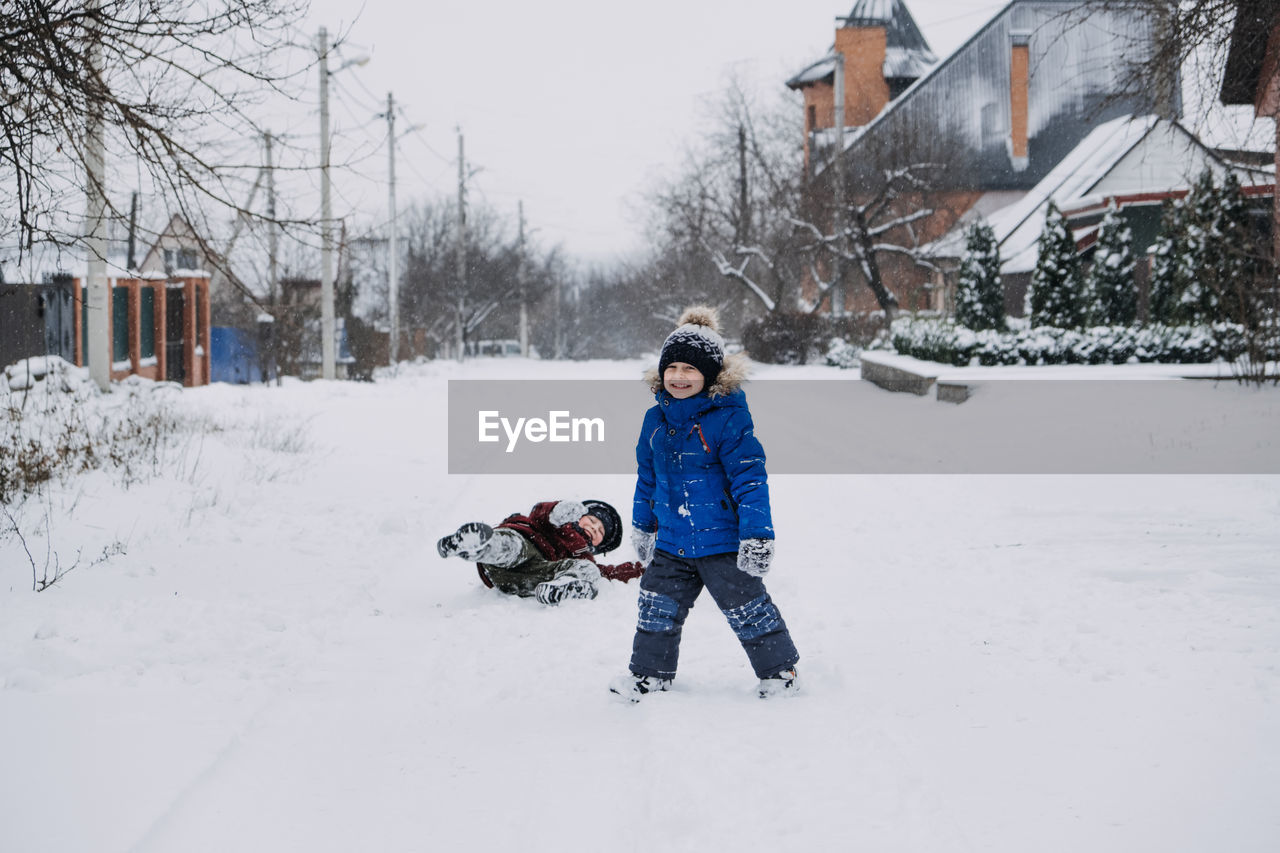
(327, 330)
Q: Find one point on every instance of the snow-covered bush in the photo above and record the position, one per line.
(946, 342)
(1057, 288)
(1114, 294)
(1205, 260)
(842, 354)
(979, 291)
(54, 421)
(1204, 222)
(1169, 270)
(791, 337)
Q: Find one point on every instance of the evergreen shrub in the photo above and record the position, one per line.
(944, 341)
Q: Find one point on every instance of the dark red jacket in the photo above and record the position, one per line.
(566, 542)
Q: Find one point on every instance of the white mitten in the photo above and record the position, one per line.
(754, 556)
(644, 542)
(565, 512)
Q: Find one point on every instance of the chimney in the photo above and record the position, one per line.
(1019, 98)
(884, 52)
(865, 90)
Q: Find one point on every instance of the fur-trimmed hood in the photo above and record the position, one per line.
(734, 372)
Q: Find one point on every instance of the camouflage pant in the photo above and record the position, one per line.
(516, 567)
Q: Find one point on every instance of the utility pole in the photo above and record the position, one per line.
(461, 235)
(393, 258)
(98, 351)
(272, 227)
(558, 325)
(327, 353)
(837, 271)
(130, 262)
(524, 289)
(271, 329)
(743, 225)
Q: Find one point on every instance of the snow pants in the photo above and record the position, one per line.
(515, 566)
(668, 589)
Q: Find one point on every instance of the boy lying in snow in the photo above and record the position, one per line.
(547, 554)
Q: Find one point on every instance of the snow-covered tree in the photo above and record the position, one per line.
(979, 291)
(1056, 282)
(1230, 256)
(1169, 273)
(1112, 290)
(1198, 301)
(1203, 255)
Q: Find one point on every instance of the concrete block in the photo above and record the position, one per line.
(894, 378)
(952, 392)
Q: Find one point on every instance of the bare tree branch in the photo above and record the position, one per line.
(177, 89)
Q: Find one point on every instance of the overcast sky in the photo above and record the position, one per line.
(574, 107)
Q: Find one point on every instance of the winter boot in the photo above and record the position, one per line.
(632, 687)
(784, 683)
(467, 543)
(563, 589)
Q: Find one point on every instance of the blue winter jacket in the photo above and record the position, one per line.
(701, 480)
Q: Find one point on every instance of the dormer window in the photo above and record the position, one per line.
(180, 259)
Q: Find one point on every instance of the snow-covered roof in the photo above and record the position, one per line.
(1128, 155)
(902, 62)
(823, 68)
(907, 53)
(900, 27)
(1017, 227)
(1073, 65)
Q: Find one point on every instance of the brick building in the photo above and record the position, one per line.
(158, 326)
(990, 121)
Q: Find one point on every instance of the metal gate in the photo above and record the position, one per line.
(174, 309)
(37, 319)
(58, 307)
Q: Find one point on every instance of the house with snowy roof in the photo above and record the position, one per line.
(159, 319)
(158, 314)
(991, 121)
(1137, 164)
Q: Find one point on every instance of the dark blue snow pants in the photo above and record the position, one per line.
(668, 589)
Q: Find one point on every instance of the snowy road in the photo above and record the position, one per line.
(281, 663)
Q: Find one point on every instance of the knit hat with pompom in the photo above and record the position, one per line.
(696, 341)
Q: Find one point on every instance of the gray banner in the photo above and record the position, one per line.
(853, 427)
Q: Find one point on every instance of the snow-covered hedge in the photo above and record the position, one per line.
(842, 354)
(55, 421)
(943, 341)
(794, 337)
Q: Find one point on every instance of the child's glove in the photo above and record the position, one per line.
(566, 512)
(754, 556)
(644, 541)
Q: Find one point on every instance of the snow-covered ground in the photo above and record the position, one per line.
(280, 662)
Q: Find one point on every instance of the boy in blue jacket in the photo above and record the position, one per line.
(701, 514)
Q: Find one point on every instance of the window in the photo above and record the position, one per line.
(147, 324)
(180, 259)
(993, 130)
(119, 324)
